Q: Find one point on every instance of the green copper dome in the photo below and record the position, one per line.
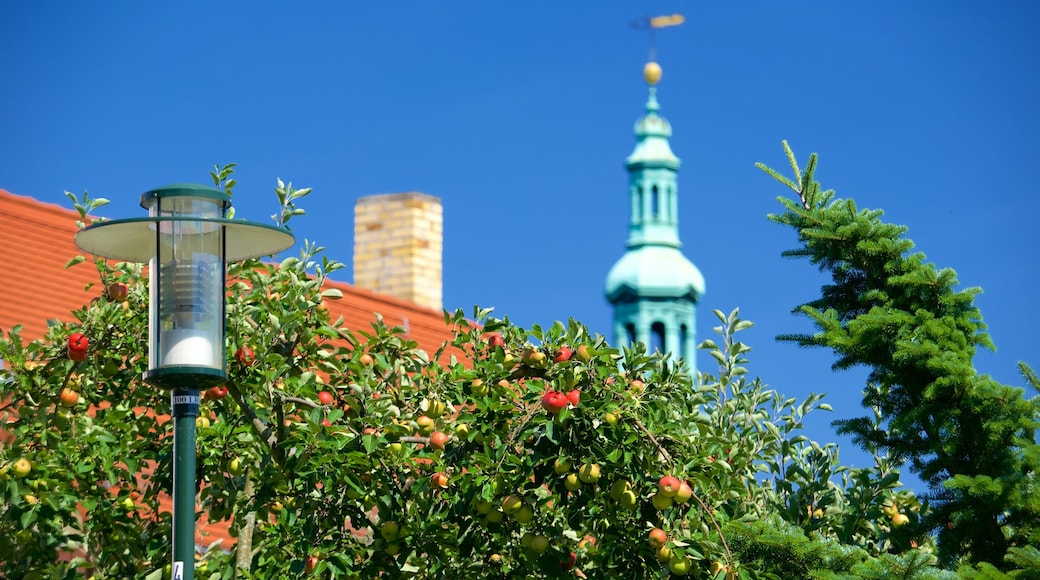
(654, 272)
(652, 133)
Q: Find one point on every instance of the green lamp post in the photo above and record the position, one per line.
(187, 241)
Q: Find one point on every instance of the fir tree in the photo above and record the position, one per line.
(970, 438)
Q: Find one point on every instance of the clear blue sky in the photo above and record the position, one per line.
(520, 116)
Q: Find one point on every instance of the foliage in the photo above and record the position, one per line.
(426, 465)
(971, 439)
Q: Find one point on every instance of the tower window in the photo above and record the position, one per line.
(657, 337)
(655, 202)
(630, 330)
(683, 337)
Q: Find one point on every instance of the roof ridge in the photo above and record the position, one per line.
(30, 201)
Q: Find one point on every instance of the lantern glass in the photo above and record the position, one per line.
(186, 282)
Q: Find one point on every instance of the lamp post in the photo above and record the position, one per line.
(187, 241)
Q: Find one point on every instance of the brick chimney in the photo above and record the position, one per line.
(397, 246)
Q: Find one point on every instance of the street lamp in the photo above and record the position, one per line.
(187, 241)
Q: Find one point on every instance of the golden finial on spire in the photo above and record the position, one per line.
(652, 73)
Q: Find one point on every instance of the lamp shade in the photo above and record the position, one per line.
(187, 241)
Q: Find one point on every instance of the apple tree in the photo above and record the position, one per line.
(351, 453)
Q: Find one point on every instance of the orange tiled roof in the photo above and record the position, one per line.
(37, 241)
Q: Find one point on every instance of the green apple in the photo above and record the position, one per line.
(390, 531)
(495, 516)
(561, 465)
(462, 431)
(589, 473)
(619, 487)
(539, 544)
(21, 467)
(523, 515)
(235, 466)
(664, 553)
(679, 565)
(511, 503)
(661, 501)
(628, 500)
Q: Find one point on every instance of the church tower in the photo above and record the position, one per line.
(654, 288)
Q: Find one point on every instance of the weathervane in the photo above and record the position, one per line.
(651, 23)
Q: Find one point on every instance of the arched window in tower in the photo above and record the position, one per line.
(655, 202)
(657, 337)
(630, 331)
(683, 338)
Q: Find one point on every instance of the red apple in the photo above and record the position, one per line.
(668, 485)
(325, 398)
(326, 423)
(78, 345)
(245, 356)
(440, 480)
(574, 397)
(657, 538)
(216, 393)
(310, 564)
(68, 398)
(496, 341)
(684, 493)
(554, 401)
(117, 291)
(366, 359)
(564, 354)
(567, 564)
(438, 440)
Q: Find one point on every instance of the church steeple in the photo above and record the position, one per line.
(654, 288)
